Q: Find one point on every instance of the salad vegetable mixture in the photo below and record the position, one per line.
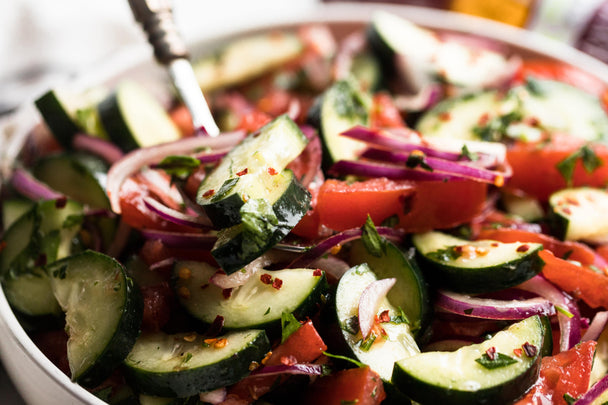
(390, 215)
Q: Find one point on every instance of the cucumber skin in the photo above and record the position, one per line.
(55, 117)
(114, 124)
(186, 383)
(489, 279)
(121, 343)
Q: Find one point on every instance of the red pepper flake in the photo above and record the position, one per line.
(272, 171)
(208, 193)
(277, 283)
(384, 316)
(227, 292)
(253, 365)
(483, 120)
(491, 353)
(494, 244)
(317, 273)
(219, 343)
(61, 202)
(242, 172)
(518, 352)
(444, 116)
(523, 248)
(566, 210)
(265, 359)
(266, 278)
(288, 360)
(530, 349)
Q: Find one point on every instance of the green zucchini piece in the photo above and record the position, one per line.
(133, 118)
(579, 214)
(103, 312)
(339, 108)
(459, 378)
(183, 365)
(410, 292)
(476, 266)
(263, 226)
(258, 303)
(246, 58)
(68, 114)
(381, 355)
(251, 171)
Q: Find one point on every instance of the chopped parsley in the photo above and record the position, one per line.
(289, 324)
(499, 360)
(447, 254)
(179, 166)
(373, 242)
(588, 158)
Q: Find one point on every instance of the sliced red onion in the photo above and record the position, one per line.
(390, 171)
(369, 302)
(339, 239)
(100, 147)
(332, 266)
(298, 368)
(596, 327)
(489, 308)
(349, 47)
(180, 239)
(239, 278)
(135, 160)
(163, 264)
(175, 216)
(595, 392)
(425, 98)
(159, 183)
(29, 186)
(403, 139)
(569, 325)
(213, 397)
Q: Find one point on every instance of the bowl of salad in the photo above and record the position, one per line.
(403, 206)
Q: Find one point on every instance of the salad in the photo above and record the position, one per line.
(390, 215)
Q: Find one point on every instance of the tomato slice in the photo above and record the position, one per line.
(534, 166)
(567, 372)
(361, 386)
(384, 113)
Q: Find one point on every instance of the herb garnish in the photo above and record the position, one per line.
(588, 158)
(179, 166)
(289, 324)
(499, 360)
(373, 242)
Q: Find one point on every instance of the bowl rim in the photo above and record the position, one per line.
(328, 13)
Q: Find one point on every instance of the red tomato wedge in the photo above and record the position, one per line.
(361, 386)
(304, 346)
(534, 166)
(384, 113)
(565, 373)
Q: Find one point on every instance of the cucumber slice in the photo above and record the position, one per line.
(133, 118)
(256, 304)
(457, 378)
(12, 209)
(251, 171)
(580, 214)
(263, 226)
(184, 364)
(525, 207)
(476, 266)
(67, 114)
(103, 312)
(341, 107)
(410, 292)
(245, 59)
(398, 343)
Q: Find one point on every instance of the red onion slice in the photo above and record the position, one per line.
(135, 160)
(298, 368)
(598, 389)
(489, 308)
(180, 239)
(401, 139)
(239, 278)
(596, 327)
(369, 302)
(175, 216)
(97, 146)
(569, 325)
(214, 397)
(27, 185)
(390, 171)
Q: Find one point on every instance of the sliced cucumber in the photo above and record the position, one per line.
(339, 108)
(525, 207)
(580, 214)
(67, 114)
(31, 295)
(398, 343)
(263, 225)
(133, 118)
(410, 292)
(476, 266)
(258, 303)
(12, 209)
(458, 378)
(103, 312)
(186, 364)
(366, 71)
(246, 58)
(252, 171)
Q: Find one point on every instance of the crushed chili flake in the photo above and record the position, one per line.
(317, 273)
(253, 365)
(184, 273)
(190, 338)
(523, 248)
(483, 120)
(227, 292)
(499, 181)
(209, 341)
(572, 201)
(518, 352)
(277, 283)
(61, 202)
(491, 353)
(384, 317)
(444, 116)
(183, 292)
(242, 172)
(566, 210)
(529, 349)
(336, 249)
(266, 278)
(272, 171)
(209, 193)
(219, 343)
(265, 359)
(495, 244)
(288, 360)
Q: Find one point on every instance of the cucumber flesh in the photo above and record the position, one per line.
(580, 214)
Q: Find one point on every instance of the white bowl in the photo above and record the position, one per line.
(36, 378)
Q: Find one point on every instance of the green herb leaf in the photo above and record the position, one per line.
(337, 356)
(289, 324)
(501, 360)
(258, 220)
(366, 344)
(569, 399)
(588, 158)
(417, 160)
(467, 154)
(448, 254)
(351, 325)
(179, 166)
(373, 242)
(401, 317)
(227, 186)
